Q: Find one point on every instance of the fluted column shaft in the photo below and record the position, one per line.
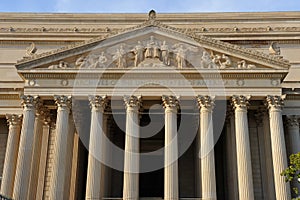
(93, 187)
(21, 186)
(61, 141)
(132, 148)
(11, 154)
(171, 149)
(37, 147)
(293, 133)
(282, 188)
(245, 181)
(43, 159)
(293, 137)
(208, 178)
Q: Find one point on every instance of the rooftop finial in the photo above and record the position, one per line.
(152, 15)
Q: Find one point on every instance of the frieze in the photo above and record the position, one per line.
(154, 82)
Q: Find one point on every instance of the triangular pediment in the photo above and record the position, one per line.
(153, 44)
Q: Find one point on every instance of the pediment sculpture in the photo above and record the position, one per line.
(147, 53)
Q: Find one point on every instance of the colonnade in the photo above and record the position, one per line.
(24, 148)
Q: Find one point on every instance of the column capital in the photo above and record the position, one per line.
(14, 120)
(259, 115)
(170, 102)
(30, 102)
(63, 101)
(45, 115)
(292, 121)
(229, 113)
(97, 102)
(132, 101)
(207, 102)
(274, 102)
(240, 102)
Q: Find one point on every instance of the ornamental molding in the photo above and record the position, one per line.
(223, 49)
(107, 30)
(9, 97)
(117, 74)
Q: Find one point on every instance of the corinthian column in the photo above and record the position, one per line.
(11, 155)
(61, 140)
(37, 147)
(208, 178)
(292, 125)
(21, 186)
(171, 148)
(93, 187)
(293, 137)
(132, 149)
(245, 182)
(282, 189)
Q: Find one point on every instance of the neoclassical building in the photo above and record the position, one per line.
(148, 106)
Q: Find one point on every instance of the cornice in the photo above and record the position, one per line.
(117, 74)
(200, 30)
(136, 17)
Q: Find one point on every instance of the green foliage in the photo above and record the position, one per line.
(293, 171)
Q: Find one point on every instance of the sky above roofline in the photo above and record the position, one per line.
(143, 6)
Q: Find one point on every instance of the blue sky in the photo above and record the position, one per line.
(138, 6)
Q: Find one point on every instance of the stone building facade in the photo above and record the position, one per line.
(137, 106)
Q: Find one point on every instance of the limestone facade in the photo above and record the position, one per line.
(148, 106)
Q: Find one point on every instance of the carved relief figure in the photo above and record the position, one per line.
(165, 53)
(80, 62)
(180, 57)
(206, 61)
(222, 61)
(243, 65)
(101, 60)
(120, 56)
(152, 49)
(226, 62)
(139, 53)
(61, 65)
